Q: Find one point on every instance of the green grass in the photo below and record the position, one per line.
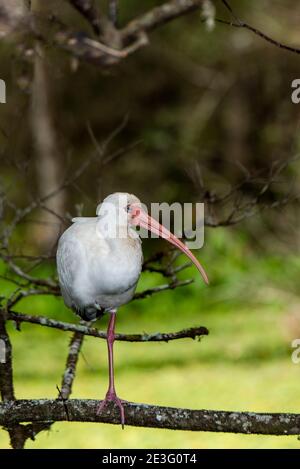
(244, 364)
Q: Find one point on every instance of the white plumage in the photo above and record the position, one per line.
(96, 271)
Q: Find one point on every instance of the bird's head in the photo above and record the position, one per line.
(126, 210)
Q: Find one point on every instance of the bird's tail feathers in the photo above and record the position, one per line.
(90, 312)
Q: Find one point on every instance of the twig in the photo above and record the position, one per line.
(69, 374)
(160, 15)
(236, 205)
(17, 432)
(6, 375)
(18, 295)
(89, 11)
(49, 283)
(113, 7)
(192, 332)
(116, 45)
(160, 288)
(242, 24)
(53, 289)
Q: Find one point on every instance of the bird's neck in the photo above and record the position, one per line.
(111, 229)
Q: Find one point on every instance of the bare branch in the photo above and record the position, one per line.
(143, 415)
(238, 23)
(160, 15)
(6, 375)
(113, 7)
(69, 374)
(17, 432)
(160, 288)
(117, 54)
(192, 332)
(89, 11)
(18, 295)
(49, 283)
(115, 45)
(238, 204)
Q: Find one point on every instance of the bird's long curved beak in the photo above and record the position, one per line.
(141, 218)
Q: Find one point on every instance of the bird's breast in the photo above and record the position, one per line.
(118, 268)
(93, 269)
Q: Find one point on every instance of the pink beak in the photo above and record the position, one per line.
(140, 218)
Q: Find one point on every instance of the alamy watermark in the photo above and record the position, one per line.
(116, 219)
(296, 353)
(295, 96)
(2, 91)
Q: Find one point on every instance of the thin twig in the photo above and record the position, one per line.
(192, 332)
(89, 11)
(160, 15)
(70, 369)
(160, 288)
(238, 23)
(113, 7)
(17, 432)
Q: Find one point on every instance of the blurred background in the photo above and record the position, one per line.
(198, 112)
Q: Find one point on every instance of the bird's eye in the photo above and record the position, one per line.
(128, 208)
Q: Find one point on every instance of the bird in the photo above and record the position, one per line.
(99, 262)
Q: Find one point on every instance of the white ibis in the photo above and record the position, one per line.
(99, 262)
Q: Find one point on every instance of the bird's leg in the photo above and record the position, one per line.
(111, 395)
(110, 347)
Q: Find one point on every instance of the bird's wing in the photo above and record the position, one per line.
(79, 255)
(68, 261)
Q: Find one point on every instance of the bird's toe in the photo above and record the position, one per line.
(112, 397)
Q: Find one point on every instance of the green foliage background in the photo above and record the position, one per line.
(219, 99)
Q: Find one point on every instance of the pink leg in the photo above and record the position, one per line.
(111, 395)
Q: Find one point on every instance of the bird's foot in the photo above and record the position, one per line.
(111, 396)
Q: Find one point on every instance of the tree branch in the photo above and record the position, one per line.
(69, 374)
(113, 8)
(6, 375)
(116, 44)
(238, 23)
(160, 15)
(17, 432)
(193, 332)
(160, 288)
(143, 415)
(88, 10)
(239, 203)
